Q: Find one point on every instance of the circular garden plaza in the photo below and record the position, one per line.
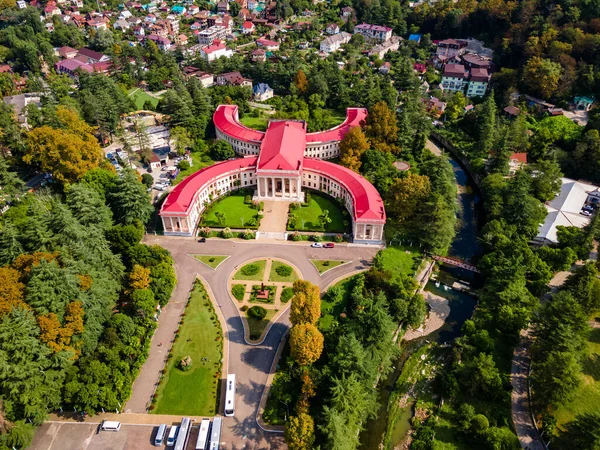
(277, 165)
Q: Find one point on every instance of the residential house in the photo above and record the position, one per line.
(51, 9)
(248, 27)
(512, 111)
(449, 48)
(420, 68)
(415, 38)
(121, 24)
(391, 45)
(208, 36)
(303, 45)
(223, 7)
(435, 106)
(582, 103)
(163, 43)
(454, 78)
(233, 79)
(216, 50)
(259, 55)
(139, 31)
(347, 12)
(98, 23)
(193, 9)
(92, 56)
(516, 161)
(268, 44)
(196, 26)
(479, 80)
(474, 61)
(333, 43)
(181, 39)
(178, 9)
(20, 101)
(376, 32)
(206, 79)
(150, 18)
(262, 92)
(332, 29)
(21, 4)
(385, 68)
(125, 14)
(67, 52)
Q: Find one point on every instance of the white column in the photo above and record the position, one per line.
(273, 187)
(283, 187)
(299, 186)
(172, 228)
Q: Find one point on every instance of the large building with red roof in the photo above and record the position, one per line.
(278, 164)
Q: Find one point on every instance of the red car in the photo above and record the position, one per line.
(329, 245)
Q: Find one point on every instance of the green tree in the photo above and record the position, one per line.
(407, 195)
(221, 150)
(555, 379)
(542, 76)
(381, 128)
(481, 376)
(583, 432)
(220, 217)
(129, 200)
(182, 139)
(486, 120)
(547, 180)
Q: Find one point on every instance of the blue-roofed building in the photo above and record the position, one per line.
(415, 38)
(583, 103)
(262, 92)
(178, 9)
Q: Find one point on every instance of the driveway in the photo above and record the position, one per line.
(250, 363)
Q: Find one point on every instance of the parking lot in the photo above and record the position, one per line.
(84, 436)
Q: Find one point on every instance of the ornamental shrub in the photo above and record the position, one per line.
(317, 237)
(238, 291)
(244, 308)
(248, 234)
(257, 312)
(183, 165)
(204, 231)
(250, 269)
(296, 236)
(284, 271)
(339, 238)
(226, 233)
(292, 221)
(247, 199)
(307, 198)
(185, 364)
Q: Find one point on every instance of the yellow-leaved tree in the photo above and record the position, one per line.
(352, 147)
(306, 343)
(300, 432)
(306, 303)
(68, 152)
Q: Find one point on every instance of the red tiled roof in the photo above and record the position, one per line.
(182, 196)
(368, 205)
(283, 146)
(226, 120)
(354, 117)
(521, 157)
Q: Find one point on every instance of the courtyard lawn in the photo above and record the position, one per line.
(331, 308)
(586, 397)
(237, 213)
(257, 326)
(307, 216)
(193, 392)
(140, 97)
(398, 261)
(211, 261)
(258, 276)
(274, 276)
(257, 123)
(323, 265)
(199, 161)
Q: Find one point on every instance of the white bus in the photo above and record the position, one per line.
(215, 434)
(203, 435)
(184, 432)
(230, 396)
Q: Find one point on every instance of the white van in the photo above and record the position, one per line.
(160, 435)
(109, 425)
(172, 436)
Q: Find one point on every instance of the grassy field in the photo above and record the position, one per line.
(193, 392)
(587, 397)
(257, 277)
(140, 97)
(257, 326)
(397, 260)
(258, 123)
(308, 216)
(337, 117)
(274, 276)
(234, 209)
(199, 161)
(332, 308)
(323, 265)
(211, 261)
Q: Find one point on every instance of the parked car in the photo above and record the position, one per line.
(159, 187)
(316, 245)
(329, 245)
(202, 240)
(585, 212)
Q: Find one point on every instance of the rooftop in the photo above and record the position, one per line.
(283, 146)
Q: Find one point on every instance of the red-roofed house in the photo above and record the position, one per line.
(248, 27)
(454, 77)
(215, 51)
(376, 32)
(278, 163)
(517, 160)
(67, 52)
(268, 44)
(420, 68)
(478, 82)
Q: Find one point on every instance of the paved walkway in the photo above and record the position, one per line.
(252, 364)
(521, 416)
(275, 217)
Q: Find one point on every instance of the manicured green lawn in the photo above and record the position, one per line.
(331, 308)
(286, 294)
(398, 261)
(274, 276)
(258, 123)
(211, 261)
(337, 117)
(199, 161)
(237, 213)
(307, 217)
(238, 291)
(193, 392)
(323, 265)
(140, 97)
(586, 398)
(256, 277)
(257, 326)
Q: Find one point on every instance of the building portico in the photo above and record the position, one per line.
(279, 188)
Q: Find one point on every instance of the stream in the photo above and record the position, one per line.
(466, 247)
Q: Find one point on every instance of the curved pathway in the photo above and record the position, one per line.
(250, 363)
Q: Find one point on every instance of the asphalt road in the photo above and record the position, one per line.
(250, 363)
